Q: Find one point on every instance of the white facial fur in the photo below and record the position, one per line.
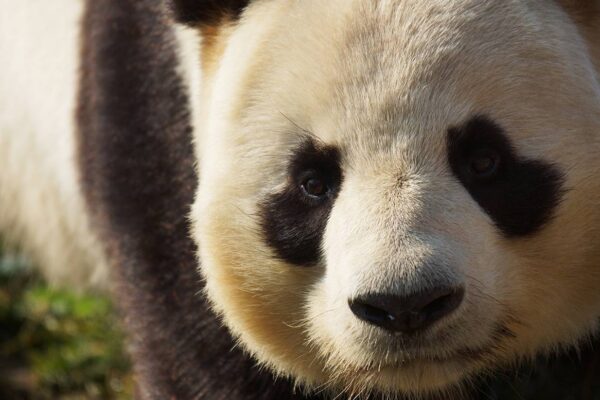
(383, 82)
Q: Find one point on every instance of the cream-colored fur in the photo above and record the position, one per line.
(384, 81)
(41, 207)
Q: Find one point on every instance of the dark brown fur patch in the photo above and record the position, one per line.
(582, 10)
(206, 12)
(139, 178)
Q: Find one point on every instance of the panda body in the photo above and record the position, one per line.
(37, 141)
(387, 198)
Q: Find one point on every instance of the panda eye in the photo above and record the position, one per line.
(519, 194)
(314, 186)
(295, 217)
(484, 163)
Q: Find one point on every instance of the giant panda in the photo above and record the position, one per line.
(312, 199)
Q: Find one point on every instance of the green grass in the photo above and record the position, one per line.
(57, 344)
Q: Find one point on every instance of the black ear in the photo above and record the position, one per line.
(582, 10)
(586, 14)
(206, 12)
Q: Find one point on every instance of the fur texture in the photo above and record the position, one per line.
(139, 179)
(383, 87)
(386, 83)
(133, 153)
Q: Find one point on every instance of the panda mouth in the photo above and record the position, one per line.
(462, 356)
(467, 355)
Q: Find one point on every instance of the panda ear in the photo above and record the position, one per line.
(582, 10)
(206, 12)
(586, 14)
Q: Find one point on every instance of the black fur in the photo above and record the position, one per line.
(293, 223)
(523, 194)
(206, 12)
(138, 177)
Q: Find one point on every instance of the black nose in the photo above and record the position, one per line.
(407, 314)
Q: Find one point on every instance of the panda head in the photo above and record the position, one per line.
(397, 196)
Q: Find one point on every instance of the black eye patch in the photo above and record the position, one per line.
(293, 220)
(520, 195)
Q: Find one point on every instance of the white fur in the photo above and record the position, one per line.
(189, 43)
(41, 205)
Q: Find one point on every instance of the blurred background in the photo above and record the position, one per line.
(63, 344)
(57, 343)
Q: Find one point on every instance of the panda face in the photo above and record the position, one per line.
(396, 196)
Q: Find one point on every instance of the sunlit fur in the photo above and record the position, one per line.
(384, 81)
